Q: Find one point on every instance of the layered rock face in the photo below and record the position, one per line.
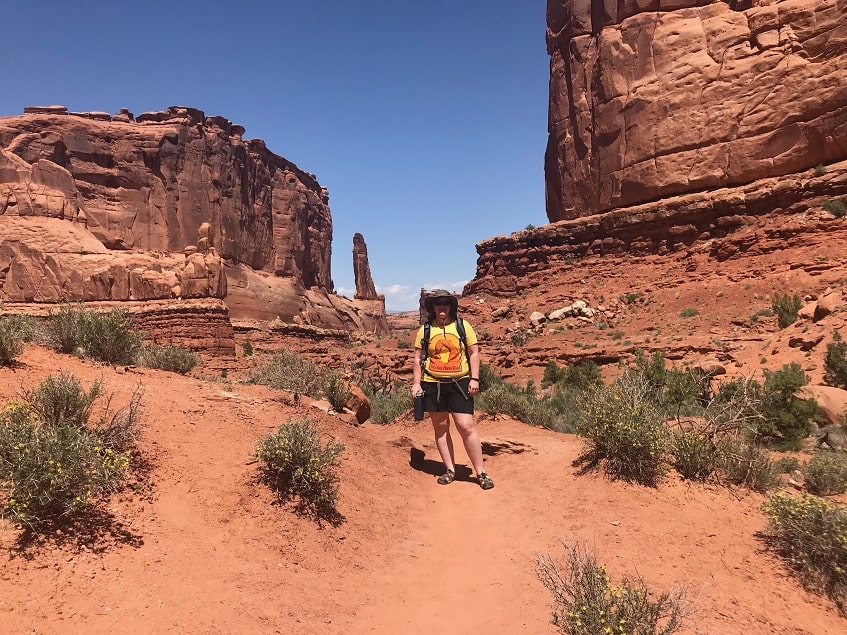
(115, 207)
(653, 98)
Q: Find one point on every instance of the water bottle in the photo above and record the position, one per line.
(419, 406)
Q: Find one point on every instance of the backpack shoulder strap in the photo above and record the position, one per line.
(425, 342)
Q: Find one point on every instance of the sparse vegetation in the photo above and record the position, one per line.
(109, 337)
(14, 332)
(826, 473)
(296, 465)
(585, 602)
(623, 431)
(837, 207)
(247, 349)
(170, 358)
(336, 389)
(820, 169)
(286, 370)
(835, 362)
(786, 308)
(54, 460)
(810, 533)
(689, 312)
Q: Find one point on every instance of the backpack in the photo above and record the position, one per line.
(463, 338)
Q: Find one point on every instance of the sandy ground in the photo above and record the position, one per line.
(202, 549)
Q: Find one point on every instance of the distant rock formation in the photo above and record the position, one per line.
(365, 288)
(163, 205)
(655, 98)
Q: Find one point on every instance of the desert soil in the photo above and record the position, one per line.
(199, 547)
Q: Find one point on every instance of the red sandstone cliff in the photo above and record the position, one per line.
(165, 205)
(653, 98)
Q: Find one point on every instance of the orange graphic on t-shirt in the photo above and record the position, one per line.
(444, 354)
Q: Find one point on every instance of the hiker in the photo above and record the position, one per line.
(447, 371)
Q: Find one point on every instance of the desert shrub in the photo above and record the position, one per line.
(820, 169)
(488, 378)
(520, 338)
(745, 463)
(336, 389)
(673, 391)
(247, 348)
(835, 362)
(109, 337)
(623, 431)
(787, 418)
(296, 465)
(786, 308)
(694, 454)
(55, 461)
(14, 332)
(583, 375)
(170, 358)
(810, 533)
(786, 465)
(689, 312)
(826, 473)
(288, 371)
(837, 207)
(62, 399)
(387, 406)
(585, 602)
(553, 373)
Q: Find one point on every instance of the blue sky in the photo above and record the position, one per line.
(426, 122)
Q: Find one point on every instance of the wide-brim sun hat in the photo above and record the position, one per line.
(440, 294)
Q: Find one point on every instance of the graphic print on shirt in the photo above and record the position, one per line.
(444, 354)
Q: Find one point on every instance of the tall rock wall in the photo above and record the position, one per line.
(653, 98)
(165, 205)
(152, 183)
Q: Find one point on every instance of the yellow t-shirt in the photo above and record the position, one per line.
(445, 358)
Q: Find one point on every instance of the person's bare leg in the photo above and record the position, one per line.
(443, 440)
(473, 446)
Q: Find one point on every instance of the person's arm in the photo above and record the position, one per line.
(473, 362)
(416, 373)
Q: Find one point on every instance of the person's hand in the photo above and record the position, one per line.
(473, 387)
(416, 388)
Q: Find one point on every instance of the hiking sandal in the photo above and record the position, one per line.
(448, 477)
(485, 481)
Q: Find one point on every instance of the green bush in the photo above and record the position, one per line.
(584, 375)
(288, 371)
(62, 399)
(694, 454)
(810, 533)
(109, 337)
(386, 406)
(837, 207)
(487, 377)
(14, 332)
(787, 418)
(586, 603)
(623, 431)
(54, 461)
(786, 308)
(247, 348)
(826, 473)
(786, 465)
(296, 465)
(744, 463)
(689, 312)
(170, 358)
(835, 362)
(336, 389)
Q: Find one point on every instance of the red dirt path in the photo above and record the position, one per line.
(203, 550)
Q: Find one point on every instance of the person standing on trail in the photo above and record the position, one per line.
(447, 372)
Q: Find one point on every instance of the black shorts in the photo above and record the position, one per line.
(447, 396)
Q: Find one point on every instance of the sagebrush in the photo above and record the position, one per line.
(585, 602)
(810, 533)
(296, 465)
